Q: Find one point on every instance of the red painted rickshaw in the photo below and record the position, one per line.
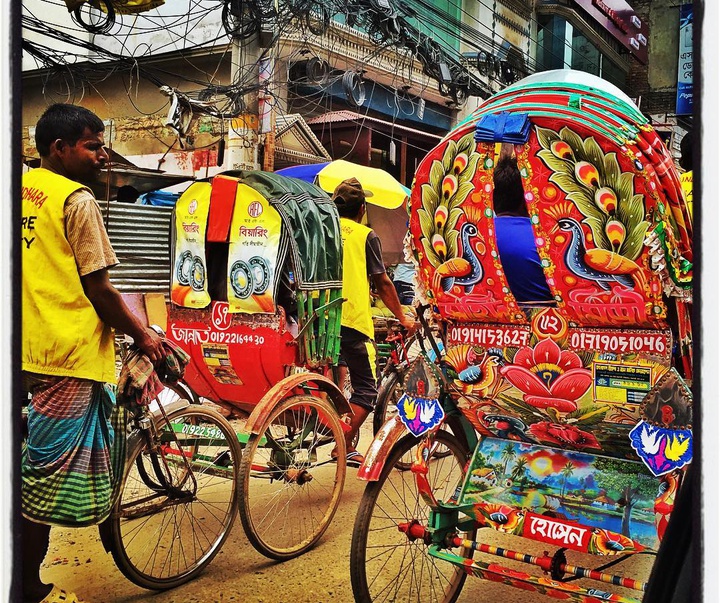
(256, 298)
(571, 419)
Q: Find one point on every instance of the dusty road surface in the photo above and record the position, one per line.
(77, 562)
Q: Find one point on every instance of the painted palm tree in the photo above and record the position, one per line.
(566, 472)
(518, 469)
(507, 455)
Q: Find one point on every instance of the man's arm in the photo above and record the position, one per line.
(387, 293)
(113, 311)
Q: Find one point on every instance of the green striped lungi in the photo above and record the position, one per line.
(74, 455)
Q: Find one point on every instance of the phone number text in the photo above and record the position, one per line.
(489, 336)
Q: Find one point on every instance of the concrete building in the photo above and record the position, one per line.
(375, 81)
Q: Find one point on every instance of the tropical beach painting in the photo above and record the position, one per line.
(509, 480)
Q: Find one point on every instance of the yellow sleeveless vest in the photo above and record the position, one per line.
(61, 332)
(686, 182)
(356, 286)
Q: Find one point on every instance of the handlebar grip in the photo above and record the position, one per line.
(158, 329)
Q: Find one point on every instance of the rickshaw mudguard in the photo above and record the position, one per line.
(379, 450)
(285, 387)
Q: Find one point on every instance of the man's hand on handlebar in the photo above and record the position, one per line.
(408, 324)
(151, 345)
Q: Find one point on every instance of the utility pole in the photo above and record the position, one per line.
(252, 63)
(242, 147)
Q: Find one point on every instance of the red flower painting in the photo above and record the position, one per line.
(548, 376)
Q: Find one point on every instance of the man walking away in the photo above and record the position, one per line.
(362, 262)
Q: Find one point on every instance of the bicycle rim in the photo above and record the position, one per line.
(164, 537)
(384, 564)
(290, 485)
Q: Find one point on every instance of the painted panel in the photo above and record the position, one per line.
(553, 384)
(571, 499)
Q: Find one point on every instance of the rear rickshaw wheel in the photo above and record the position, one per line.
(178, 500)
(386, 565)
(290, 482)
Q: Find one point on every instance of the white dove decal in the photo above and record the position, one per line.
(426, 413)
(650, 441)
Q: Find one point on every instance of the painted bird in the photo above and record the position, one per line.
(599, 265)
(604, 542)
(465, 270)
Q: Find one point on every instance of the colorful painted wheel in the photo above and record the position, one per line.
(241, 280)
(183, 268)
(260, 273)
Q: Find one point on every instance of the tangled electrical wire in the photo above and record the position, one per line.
(419, 31)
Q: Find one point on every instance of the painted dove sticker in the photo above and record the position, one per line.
(660, 448)
(419, 415)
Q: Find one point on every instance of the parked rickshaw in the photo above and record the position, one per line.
(255, 301)
(570, 420)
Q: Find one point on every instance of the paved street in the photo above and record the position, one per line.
(77, 562)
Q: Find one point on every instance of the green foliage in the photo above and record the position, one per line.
(624, 479)
(587, 415)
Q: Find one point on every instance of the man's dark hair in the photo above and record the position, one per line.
(508, 195)
(350, 210)
(66, 122)
(686, 145)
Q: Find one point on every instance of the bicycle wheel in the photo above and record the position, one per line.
(290, 484)
(385, 565)
(388, 394)
(172, 393)
(173, 516)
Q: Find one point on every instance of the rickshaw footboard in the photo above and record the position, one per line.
(554, 565)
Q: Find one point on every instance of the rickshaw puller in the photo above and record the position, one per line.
(72, 459)
(362, 262)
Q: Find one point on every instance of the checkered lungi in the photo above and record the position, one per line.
(73, 458)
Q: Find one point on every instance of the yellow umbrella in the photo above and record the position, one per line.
(386, 191)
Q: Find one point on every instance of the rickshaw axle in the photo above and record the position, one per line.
(554, 565)
(414, 530)
(298, 476)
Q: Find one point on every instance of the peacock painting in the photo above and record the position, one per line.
(446, 246)
(593, 181)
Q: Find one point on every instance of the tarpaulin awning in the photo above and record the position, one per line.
(312, 222)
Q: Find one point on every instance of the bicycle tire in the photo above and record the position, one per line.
(388, 394)
(393, 499)
(290, 492)
(148, 528)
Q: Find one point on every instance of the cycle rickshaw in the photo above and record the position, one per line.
(255, 302)
(571, 421)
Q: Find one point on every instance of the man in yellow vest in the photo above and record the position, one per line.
(362, 262)
(686, 163)
(70, 463)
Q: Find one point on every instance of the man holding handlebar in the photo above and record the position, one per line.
(73, 455)
(362, 263)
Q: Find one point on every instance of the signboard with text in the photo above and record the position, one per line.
(684, 104)
(620, 20)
